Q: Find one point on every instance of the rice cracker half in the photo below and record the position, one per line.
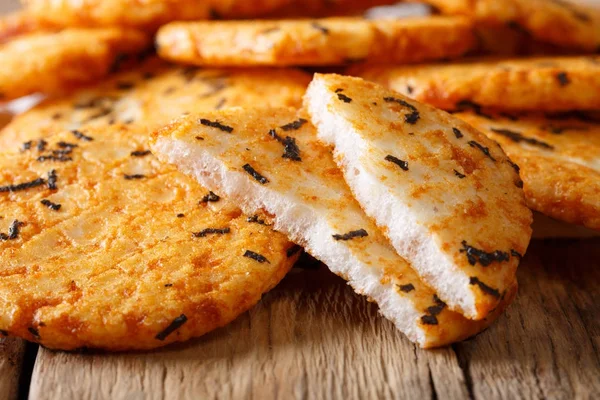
(153, 95)
(53, 62)
(563, 22)
(331, 41)
(270, 162)
(559, 158)
(545, 84)
(102, 246)
(447, 197)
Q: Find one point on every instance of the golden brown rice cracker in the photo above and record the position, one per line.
(270, 162)
(325, 8)
(447, 197)
(154, 94)
(20, 23)
(562, 22)
(543, 83)
(559, 160)
(54, 62)
(334, 41)
(102, 246)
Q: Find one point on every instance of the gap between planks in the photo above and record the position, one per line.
(312, 337)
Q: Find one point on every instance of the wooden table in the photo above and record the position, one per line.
(313, 338)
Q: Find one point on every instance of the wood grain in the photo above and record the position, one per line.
(312, 337)
(11, 361)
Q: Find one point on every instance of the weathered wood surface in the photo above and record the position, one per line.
(312, 337)
(11, 360)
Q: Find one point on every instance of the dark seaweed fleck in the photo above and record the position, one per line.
(34, 332)
(168, 285)
(176, 324)
(409, 89)
(256, 257)
(125, 85)
(22, 186)
(320, 27)
(210, 197)
(189, 73)
(211, 231)
(13, 231)
(437, 308)
(79, 135)
(261, 179)
(291, 150)
(140, 153)
(402, 164)
(270, 30)
(517, 137)
(563, 78)
(293, 126)
(216, 124)
(292, 251)
(255, 220)
(339, 90)
(461, 176)
(199, 138)
(134, 177)
(484, 288)
(58, 158)
(344, 98)
(429, 320)
(56, 116)
(51, 205)
(410, 118)
(484, 258)
(27, 145)
(557, 130)
(457, 133)
(483, 149)
(118, 61)
(351, 235)
(514, 166)
(41, 146)
(180, 215)
(406, 288)
(471, 105)
(66, 145)
(52, 178)
(515, 253)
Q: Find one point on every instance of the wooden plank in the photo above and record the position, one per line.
(11, 361)
(312, 337)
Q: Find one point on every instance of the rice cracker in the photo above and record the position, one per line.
(543, 83)
(331, 41)
(559, 158)
(447, 197)
(102, 246)
(270, 162)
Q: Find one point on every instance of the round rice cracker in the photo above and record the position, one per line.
(566, 23)
(148, 14)
(102, 246)
(559, 160)
(53, 62)
(332, 41)
(543, 83)
(153, 95)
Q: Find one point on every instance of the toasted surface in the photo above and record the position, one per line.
(559, 159)
(546, 84)
(270, 162)
(108, 259)
(326, 8)
(53, 62)
(19, 23)
(331, 41)
(154, 94)
(566, 22)
(446, 196)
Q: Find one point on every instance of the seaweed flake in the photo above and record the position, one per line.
(255, 220)
(173, 326)
(471, 105)
(51, 205)
(211, 231)
(402, 164)
(563, 79)
(66, 145)
(216, 124)
(22, 186)
(256, 257)
(515, 253)
(41, 146)
(13, 231)
(344, 98)
(140, 153)
(118, 61)
(513, 165)
(429, 320)
(27, 145)
(125, 85)
(134, 177)
(293, 126)
(52, 178)
(351, 235)
(457, 133)
(410, 118)
(483, 149)
(58, 158)
(518, 137)
(406, 288)
(461, 176)
(189, 73)
(180, 215)
(261, 179)
(210, 197)
(484, 288)
(81, 136)
(484, 258)
(34, 332)
(320, 27)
